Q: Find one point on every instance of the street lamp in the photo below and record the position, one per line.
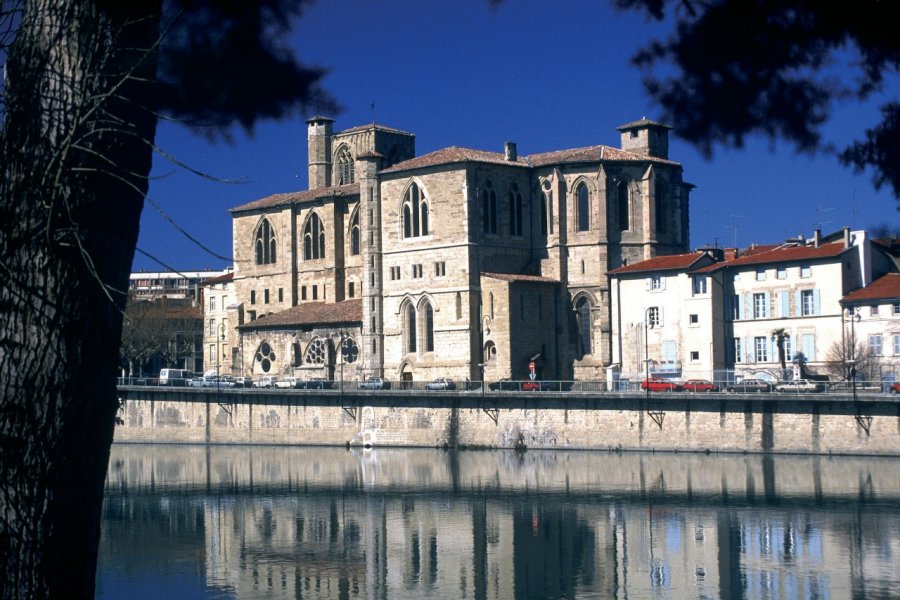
(854, 317)
(219, 338)
(647, 350)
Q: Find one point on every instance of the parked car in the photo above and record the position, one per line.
(440, 384)
(373, 383)
(528, 385)
(265, 381)
(895, 388)
(657, 384)
(288, 383)
(243, 382)
(319, 383)
(847, 386)
(799, 386)
(699, 385)
(196, 382)
(504, 384)
(750, 385)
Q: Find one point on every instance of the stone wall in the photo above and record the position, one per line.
(505, 420)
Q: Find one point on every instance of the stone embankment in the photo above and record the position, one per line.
(665, 422)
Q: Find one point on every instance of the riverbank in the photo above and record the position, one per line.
(673, 423)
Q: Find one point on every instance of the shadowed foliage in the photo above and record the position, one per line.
(777, 68)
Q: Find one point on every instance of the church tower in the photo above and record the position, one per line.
(318, 136)
(371, 250)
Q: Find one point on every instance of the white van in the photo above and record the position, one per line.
(175, 376)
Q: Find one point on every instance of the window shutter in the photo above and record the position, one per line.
(809, 347)
(772, 350)
(749, 349)
(784, 299)
(647, 284)
(661, 316)
(816, 310)
(767, 306)
(798, 303)
(742, 301)
(662, 283)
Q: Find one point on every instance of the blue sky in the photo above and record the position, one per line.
(545, 75)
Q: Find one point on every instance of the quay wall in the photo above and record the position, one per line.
(802, 425)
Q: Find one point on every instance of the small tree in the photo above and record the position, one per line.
(779, 335)
(839, 355)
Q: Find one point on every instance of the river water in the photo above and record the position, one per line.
(280, 522)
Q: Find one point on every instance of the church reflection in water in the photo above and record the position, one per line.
(330, 523)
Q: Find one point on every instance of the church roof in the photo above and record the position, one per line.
(310, 314)
(452, 155)
(374, 126)
(883, 288)
(592, 154)
(351, 189)
(511, 277)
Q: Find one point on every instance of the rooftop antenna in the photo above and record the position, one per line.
(820, 211)
(734, 228)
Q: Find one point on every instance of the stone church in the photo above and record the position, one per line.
(460, 263)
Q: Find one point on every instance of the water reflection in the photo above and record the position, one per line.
(242, 522)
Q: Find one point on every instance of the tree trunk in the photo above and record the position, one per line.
(74, 155)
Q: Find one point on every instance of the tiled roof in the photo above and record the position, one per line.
(669, 262)
(452, 155)
(310, 313)
(645, 122)
(591, 154)
(373, 126)
(761, 255)
(883, 288)
(351, 189)
(515, 277)
(220, 279)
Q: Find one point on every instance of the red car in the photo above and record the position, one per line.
(531, 386)
(895, 388)
(655, 384)
(699, 385)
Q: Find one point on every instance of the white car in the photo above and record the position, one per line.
(264, 382)
(289, 383)
(799, 386)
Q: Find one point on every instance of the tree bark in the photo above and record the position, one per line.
(75, 152)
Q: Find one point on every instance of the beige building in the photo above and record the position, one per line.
(433, 264)
(219, 316)
(872, 327)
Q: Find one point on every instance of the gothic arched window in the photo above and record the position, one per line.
(489, 223)
(661, 205)
(313, 238)
(315, 352)
(428, 333)
(583, 319)
(409, 326)
(354, 234)
(265, 357)
(345, 170)
(265, 243)
(623, 203)
(415, 212)
(584, 207)
(515, 211)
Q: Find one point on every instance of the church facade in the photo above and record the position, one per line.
(459, 263)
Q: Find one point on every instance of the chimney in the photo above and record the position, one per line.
(817, 237)
(510, 150)
(846, 237)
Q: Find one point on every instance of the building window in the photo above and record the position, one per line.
(303, 293)
(694, 319)
(212, 303)
(760, 274)
(896, 345)
(583, 319)
(265, 296)
(458, 305)
(313, 238)
(545, 205)
(281, 294)
(657, 282)
(410, 327)
(738, 354)
(429, 328)
(695, 356)
(345, 171)
(315, 292)
(349, 350)
(354, 234)
(623, 203)
(788, 352)
(515, 211)
(265, 243)
(698, 284)
(781, 273)
(897, 309)
(252, 296)
(417, 271)
(761, 349)
(875, 345)
(662, 199)
(489, 218)
(440, 269)
(807, 303)
(351, 288)
(760, 306)
(873, 311)
(212, 327)
(583, 207)
(736, 307)
(415, 213)
(265, 357)
(653, 317)
(212, 352)
(805, 271)
(251, 315)
(315, 352)
(395, 273)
